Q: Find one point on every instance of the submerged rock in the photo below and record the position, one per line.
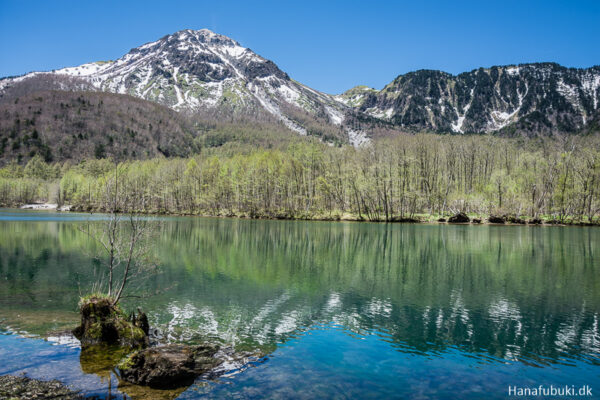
(20, 387)
(459, 218)
(104, 323)
(168, 366)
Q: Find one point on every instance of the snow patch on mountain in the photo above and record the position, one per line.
(500, 119)
(458, 125)
(358, 138)
(513, 70)
(334, 115)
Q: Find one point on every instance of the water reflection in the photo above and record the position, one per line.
(526, 294)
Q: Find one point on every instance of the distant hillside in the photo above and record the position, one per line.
(39, 82)
(529, 99)
(61, 125)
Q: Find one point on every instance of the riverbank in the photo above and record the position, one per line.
(459, 218)
(21, 387)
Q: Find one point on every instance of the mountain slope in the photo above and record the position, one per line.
(529, 98)
(203, 72)
(68, 125)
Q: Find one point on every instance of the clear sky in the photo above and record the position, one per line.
(328, 45)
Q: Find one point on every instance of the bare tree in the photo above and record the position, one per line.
(124, 239)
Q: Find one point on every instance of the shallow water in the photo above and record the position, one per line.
(343, 310)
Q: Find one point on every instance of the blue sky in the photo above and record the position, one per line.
(328, 45)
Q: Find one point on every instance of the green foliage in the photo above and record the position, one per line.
(37, 168)
(391, 179)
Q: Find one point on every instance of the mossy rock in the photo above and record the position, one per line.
(105, 323)
(169, 366)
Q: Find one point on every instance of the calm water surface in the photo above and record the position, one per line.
(342, 310)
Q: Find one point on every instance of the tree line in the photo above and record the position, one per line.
(405, 177)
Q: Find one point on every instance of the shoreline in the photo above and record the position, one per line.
(23, 387)
(428, 219)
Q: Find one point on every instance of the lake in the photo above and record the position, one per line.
(339, 310)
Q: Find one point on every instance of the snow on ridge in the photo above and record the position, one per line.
(353, 101)
(513, 71)
(342, 100)
(148, 45)
(6, 82)
(235, 51)
(85, 70)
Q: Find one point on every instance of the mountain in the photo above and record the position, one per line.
(69, 125)
(207, 76)
(530, 99)
(203, 72)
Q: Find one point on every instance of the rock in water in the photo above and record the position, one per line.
(459, 218)
(494, 219)
(169, 366)
(104, 323)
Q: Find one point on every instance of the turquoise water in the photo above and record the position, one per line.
(341, 310)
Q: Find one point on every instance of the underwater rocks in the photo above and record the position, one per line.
(168, 366)
(105, 323)
(20, 387)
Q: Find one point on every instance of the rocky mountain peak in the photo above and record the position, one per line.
(199, 71)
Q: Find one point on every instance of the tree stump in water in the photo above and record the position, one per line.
(105, 323)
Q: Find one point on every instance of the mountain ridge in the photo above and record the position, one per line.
(489, 99)
(201, 72)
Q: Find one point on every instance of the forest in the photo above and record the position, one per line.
(404, 178)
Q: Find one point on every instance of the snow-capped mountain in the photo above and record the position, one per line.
(530, 98)
(201, 72)
(194, 71)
